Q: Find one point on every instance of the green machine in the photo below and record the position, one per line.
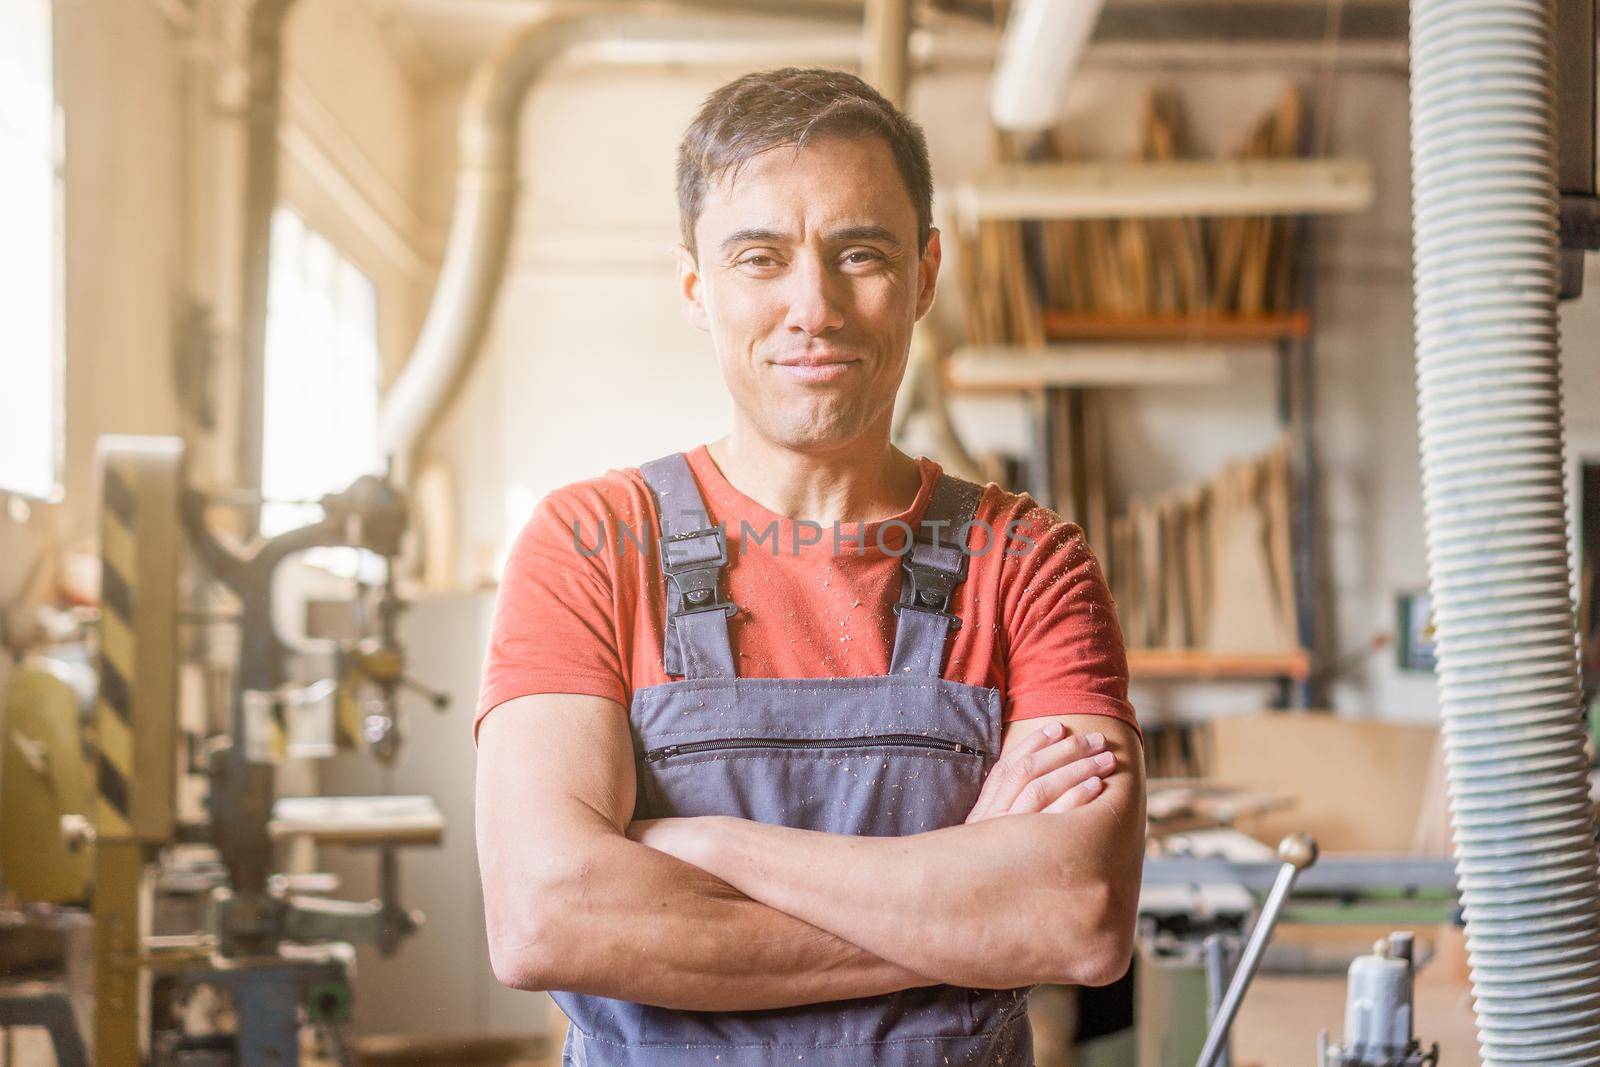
(141, 820)
(44, 777)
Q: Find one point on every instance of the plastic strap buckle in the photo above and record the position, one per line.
(696, 580)
(928, 589)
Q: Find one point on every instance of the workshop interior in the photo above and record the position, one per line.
(1290, 304)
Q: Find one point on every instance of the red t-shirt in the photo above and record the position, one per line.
(1037, 619)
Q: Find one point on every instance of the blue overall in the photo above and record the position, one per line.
(883, 755)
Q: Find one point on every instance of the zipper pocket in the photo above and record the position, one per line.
(941, 744)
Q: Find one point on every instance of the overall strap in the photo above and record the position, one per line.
(692, 554)
(935, 565)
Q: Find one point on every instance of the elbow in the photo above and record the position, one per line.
(520, 965)
(522, 959)
(527, 939)
(513, 969)
(1098, 950)
(1105, 960)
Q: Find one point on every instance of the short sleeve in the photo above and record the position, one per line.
(1065, 653)
(554, 627)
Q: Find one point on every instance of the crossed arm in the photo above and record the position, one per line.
(1039, 885)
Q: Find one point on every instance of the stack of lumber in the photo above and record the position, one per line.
(1209, 566)
(997, 286)
(1251, 256)
(1028, 282)
(1128, 267)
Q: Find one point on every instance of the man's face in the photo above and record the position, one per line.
(809, 281)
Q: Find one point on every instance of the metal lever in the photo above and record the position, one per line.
(437, 697)
(1298, 851)
(1218, 950)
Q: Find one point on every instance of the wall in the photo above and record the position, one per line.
(120, 89)
(591, 238)
(350, 156)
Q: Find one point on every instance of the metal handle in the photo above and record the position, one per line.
(1298, 851)
(437, 697)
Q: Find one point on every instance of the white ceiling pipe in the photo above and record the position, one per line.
(1039, 51)
(486, 188)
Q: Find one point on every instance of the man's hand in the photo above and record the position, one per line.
(1048, 770)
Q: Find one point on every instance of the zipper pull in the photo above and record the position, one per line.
(660, 754)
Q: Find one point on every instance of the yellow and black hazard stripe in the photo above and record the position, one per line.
(119, 576)
(136, 708)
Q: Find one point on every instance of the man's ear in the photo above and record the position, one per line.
(690, 293)
(928, 272)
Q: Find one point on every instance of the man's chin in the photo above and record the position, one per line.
(814, 439)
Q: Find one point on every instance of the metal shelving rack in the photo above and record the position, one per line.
(1097, 351)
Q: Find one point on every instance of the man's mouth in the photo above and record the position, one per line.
(812, 369)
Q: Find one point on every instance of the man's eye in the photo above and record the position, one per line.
(862, 255)
(758, 261)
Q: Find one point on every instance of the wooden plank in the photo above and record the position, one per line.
(1062, 325)
(1066, 466)
(1010, 367)
(1147, 521)
(1245, 612)
(967, 273)
(1200, 664)
(1177, 632)
(1278, 488)
(1022, 305)
(1196, 552)
(1096, 520)
(1168, 188)
(1119, 566)
(1358, 784)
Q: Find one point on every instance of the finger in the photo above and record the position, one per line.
(1020, 774)
(1065, 751)
(1078, 795)
(1046, 789)
(997, 782)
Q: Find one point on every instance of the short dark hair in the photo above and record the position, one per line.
(777, 108)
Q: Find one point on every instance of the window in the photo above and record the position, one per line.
(30, 260)
(320, 423)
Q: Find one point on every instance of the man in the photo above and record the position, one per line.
(754, 794)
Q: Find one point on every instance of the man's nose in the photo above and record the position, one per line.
(815, 306)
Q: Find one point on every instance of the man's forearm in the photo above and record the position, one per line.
(1007, 901)
(642, 926)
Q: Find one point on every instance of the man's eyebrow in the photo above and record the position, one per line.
(865, 233)
(756, 234)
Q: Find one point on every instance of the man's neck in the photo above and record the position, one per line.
(855, 484)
